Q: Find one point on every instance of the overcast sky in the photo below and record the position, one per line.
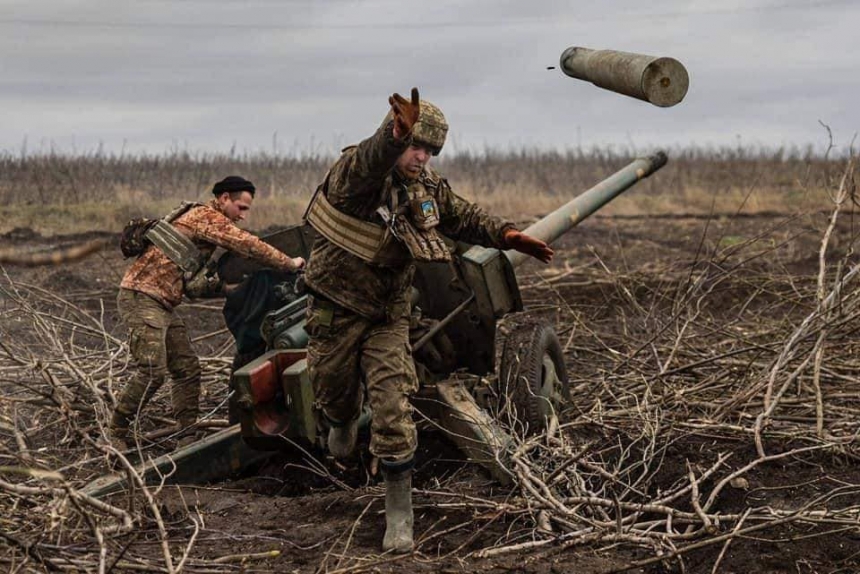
(302, 75)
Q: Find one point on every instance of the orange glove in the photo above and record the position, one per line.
(529, 245)
(405, 113)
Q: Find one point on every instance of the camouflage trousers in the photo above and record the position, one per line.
(160, 346)
(346, 349)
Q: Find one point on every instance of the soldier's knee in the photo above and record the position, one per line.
(152, 369)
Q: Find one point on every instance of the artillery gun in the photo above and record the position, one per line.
(481, 370)
(474, 370)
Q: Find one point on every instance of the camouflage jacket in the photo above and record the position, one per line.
(360, 182)
(157, 276)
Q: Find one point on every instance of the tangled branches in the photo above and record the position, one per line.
(777, 376)
(59, 370)
(713, 389)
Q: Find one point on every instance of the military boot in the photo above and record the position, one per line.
(118, 431)
(398, 507)
(342, 438)
(186, 428)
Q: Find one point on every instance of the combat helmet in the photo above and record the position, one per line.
(430, 129)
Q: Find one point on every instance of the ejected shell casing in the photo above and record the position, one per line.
(661, 81)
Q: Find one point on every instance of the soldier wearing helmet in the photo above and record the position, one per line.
(380, 209)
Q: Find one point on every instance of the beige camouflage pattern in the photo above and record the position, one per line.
(157, 276)
(160, 346)
(422, 244)
(431, 128)
(346, 348)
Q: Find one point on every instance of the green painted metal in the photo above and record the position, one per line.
(473, 430)
(660, 81)
(560, 221)
(294, 337)
(299, 392)
(285, 327)
(278, 399)
(212, 458)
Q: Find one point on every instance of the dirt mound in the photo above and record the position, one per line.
(21, 234)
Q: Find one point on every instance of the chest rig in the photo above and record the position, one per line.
(140, 233)
(413, 218)
(409, 218)
(198, 266)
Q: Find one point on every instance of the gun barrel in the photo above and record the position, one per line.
(557, 223)
(660, 81)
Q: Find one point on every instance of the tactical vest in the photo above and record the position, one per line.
(408, 229)
(199, 271)
(176, 245)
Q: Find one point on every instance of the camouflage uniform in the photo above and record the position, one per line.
(358, 313)
(159, 344)
(158, 339)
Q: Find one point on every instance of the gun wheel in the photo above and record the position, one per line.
(532, 377)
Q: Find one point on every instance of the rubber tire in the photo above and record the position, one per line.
(521, 375)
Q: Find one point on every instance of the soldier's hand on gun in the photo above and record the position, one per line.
(405, 113)
(529, 245)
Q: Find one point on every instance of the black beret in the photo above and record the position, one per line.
(233, 183)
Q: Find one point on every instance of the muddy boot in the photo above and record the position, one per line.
(342, 438)
(398, 507)
(188, 432)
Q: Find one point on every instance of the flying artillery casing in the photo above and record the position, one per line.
(661, 81)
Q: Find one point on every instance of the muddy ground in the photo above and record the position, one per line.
(613, 284)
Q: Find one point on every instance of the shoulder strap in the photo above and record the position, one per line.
(430, 178)
(180, 210)
(361, 238)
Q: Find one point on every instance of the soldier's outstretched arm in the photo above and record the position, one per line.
(362, 170)
(462, 220)
(519, 241)
(222, 232)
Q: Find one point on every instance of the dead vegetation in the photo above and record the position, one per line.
(716, 409)
(59, 194)
(772, 377)
(59, 372)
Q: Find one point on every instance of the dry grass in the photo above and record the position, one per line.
(57, 194)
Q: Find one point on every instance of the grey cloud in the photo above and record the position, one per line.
(208, 74)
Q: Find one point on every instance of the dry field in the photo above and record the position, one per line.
(56, 194)
(708, 322)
